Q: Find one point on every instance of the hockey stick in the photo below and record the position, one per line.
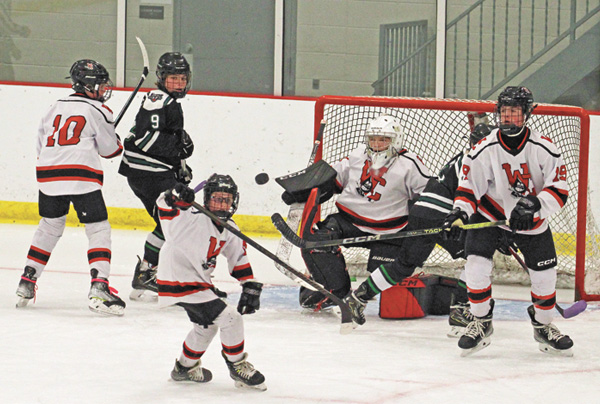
(345, 310)
(144, 75)
(302, 243)
(576, 308)
(284, 249)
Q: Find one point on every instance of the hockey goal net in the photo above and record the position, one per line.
(437, 130)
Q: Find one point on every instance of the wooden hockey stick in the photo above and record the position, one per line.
(144, 75)
(284, 249)
(576, 308)
(345, 310)
(302, 243)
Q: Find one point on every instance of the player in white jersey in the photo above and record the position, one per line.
(154, 155)
(187, 260)
(72, 137)
(376, 181)
(515, 173)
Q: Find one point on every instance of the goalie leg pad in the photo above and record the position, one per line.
(329, 269)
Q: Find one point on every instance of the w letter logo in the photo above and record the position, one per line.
(518, 179)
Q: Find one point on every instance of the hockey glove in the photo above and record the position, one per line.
(187, 146)
(505, 243)
(521, 217)
(180, 197)
(452, 223)
(250, 297)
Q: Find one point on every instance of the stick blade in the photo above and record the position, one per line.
(576, 308)
(286, 232)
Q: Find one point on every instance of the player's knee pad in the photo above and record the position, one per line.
(201, 335)
(96, 229)
(231, 324)
(53, 226)
(478, 271)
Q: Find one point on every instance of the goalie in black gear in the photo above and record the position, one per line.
(376, 182)
(429, 211)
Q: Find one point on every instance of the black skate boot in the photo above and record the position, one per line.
(244, 374)
(104, 299)
(357, 301)
(313, 301)
(551, 340)
(27, 287)
(477, 335)
(144, 282)
(195, 373)
(459, 318)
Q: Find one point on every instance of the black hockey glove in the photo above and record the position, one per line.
(521, 217)
(504, 243)
(451, 224)
(250, 297)
(187, 146)
(180, 197)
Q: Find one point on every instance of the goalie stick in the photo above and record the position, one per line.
(345, 309)
(296, 240)
(576, 308)
(284, 249)
(144, 75)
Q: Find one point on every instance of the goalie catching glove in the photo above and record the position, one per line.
(521, 217)
(452, 223)
(180, 197)
(250, 297)
(298, 185)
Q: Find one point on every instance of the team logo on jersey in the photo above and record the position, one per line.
(155, 97)
(369, 180)
(518, 180)
(213, 251)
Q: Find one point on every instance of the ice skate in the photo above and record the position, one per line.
(477, 334)
(195, 373)
(144, 284)
(550, 339)
(357, 307)
(103, 299)
(315, 302)
(27, 287)
(459, 318)
(244, 374)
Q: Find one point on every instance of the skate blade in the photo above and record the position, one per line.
(347, 328)
(143, 295)
(556, 352)
(97, 306)
(242, 385)
(335, 310)
(456, 331)
(483, 344)
(22, 302)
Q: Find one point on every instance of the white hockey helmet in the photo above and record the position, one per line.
(386, 126)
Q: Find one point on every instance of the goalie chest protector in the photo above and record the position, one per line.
(418, 296)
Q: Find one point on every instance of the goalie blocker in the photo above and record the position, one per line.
(298, 185)
(417, 296)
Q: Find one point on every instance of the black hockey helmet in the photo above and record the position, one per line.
(221, 183)
(479, 132)
(88, 75)
(173, 63)
(514, 96)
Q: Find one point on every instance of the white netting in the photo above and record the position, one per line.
(437, 131)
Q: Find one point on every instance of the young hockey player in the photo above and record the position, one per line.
(73, 134)
(429, 211)
(515, 173)
(187, 260)
(376, 181)
(154, 158)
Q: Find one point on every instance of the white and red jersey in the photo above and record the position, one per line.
(494, 177)
(71, 137)
(189, 255)
(377, 203)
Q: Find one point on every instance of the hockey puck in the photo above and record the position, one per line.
(261, 178)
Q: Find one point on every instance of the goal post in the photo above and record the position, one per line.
(437, 130)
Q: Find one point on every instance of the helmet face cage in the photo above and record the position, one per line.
(88, 75)
(386, 126)
(479, 132)
(173, 63)
(221, 183)
(514, 97)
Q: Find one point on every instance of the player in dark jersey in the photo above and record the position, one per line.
(154, 158)
(429, 211)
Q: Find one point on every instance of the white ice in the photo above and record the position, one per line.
(57, 351)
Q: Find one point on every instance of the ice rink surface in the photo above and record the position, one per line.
(57, 351)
